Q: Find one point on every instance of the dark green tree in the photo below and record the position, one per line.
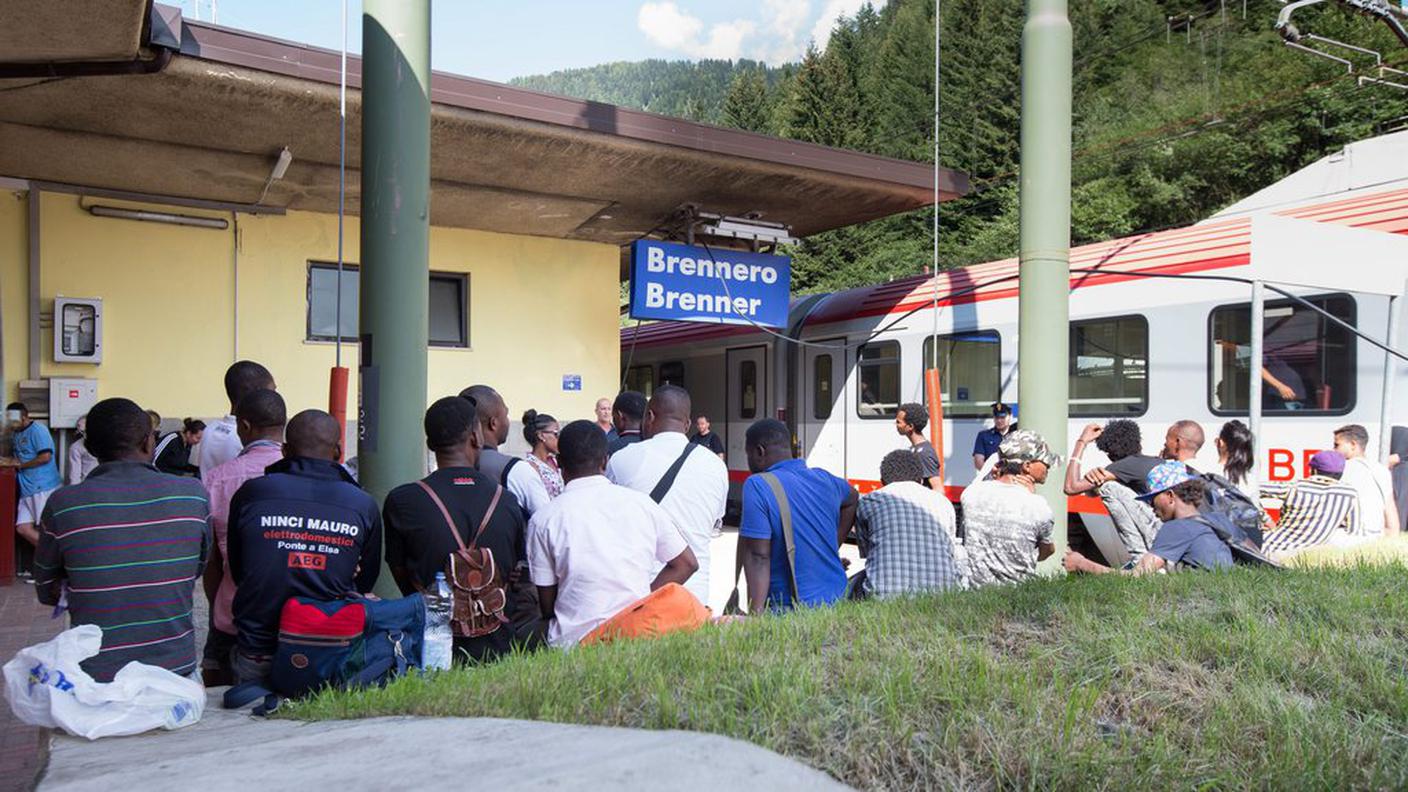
(746, 105)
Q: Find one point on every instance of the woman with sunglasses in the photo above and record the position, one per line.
(540, 431)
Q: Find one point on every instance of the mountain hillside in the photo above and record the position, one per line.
(1181, 107)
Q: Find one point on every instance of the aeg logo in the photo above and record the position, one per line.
(307, 561)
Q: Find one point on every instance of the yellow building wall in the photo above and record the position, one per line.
(538, 308)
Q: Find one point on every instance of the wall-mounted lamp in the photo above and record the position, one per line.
(280, 168)
(158, 217)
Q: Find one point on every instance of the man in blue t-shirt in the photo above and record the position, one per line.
(1186, 539)
(33, 457)
(822, 509)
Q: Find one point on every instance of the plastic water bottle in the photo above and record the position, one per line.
(437, 647)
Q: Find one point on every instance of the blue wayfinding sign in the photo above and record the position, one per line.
(670, 281)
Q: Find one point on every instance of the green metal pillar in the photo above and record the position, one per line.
(395, 231)
(1043, 334)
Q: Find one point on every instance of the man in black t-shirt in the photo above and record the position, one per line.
(628, 413)
(418, 542)
(1118, 483)
(910, 421)
(703, 436)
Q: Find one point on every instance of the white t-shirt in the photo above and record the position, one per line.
(601, 545)
(218, 444)
(695, 502)
(526, 485)
(1374, 484)
(1004, 524)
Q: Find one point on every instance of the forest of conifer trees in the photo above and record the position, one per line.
(1173, 119)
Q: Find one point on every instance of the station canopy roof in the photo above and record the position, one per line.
(209, 124)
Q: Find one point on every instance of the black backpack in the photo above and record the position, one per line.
(1243, 551)
(1223, 497)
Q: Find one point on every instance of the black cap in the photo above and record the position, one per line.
(998, 408)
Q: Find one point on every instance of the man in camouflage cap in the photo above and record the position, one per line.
(1025, 447)
(1007, 525)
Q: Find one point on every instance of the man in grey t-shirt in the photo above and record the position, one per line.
(910, 421)
(1007, 526)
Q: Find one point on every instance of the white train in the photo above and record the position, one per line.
(1153, 349)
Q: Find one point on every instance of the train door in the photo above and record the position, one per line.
(823, 375)
(747, 382)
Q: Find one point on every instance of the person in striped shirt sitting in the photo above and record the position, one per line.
(126, 547)
(1316, 510)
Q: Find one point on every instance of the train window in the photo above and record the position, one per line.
(1109, 367)
(641, 378)
(970, 371)
(1308, 362)
(822, 397)
(672, 373)
(879, 381)
(748, 389)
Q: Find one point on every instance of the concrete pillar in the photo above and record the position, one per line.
(1043, 330)
(395, 279)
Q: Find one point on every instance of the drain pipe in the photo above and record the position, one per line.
(34, 198)
(159, 60)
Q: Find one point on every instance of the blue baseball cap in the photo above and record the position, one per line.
(1165, 476)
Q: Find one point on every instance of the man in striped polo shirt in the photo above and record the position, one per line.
(1316, 510)
(126, 547)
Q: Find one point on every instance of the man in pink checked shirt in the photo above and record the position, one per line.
(260, 417)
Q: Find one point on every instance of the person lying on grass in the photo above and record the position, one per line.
(1186, 537)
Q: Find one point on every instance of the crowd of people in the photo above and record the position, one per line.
(260, 507)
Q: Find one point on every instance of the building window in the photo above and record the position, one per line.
(1109, 367)
(748, 389)
(641, 379)
(879, 381)
(822, 397)
(970, 372)
(672, 373)
(448, 302)
(449, 325)
(1308, 362)
(322, 302)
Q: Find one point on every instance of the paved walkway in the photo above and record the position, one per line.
(23, 622)
(237, 752)
(383, 752)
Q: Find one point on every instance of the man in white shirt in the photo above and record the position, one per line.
(1373, 482)
(696, 496)
(221, 440)
(515, 475)
(596, 548)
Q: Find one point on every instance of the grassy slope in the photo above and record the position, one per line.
(1249, 679)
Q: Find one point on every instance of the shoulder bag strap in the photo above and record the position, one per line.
(785, 511)
(488, 515)
(444, 512)
(503, 474)
(668, 480)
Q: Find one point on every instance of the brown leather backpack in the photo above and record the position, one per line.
(476, 587)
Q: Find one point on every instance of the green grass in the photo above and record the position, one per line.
(1249, 679)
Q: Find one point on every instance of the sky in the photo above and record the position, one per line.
(503, 39)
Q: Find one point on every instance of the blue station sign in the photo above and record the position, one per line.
(693, 284)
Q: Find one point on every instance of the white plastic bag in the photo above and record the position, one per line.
(46, 687)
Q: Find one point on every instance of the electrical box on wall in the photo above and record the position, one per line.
(78, 330)
(70, 398)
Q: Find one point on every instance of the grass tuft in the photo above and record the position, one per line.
(1253, 679)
